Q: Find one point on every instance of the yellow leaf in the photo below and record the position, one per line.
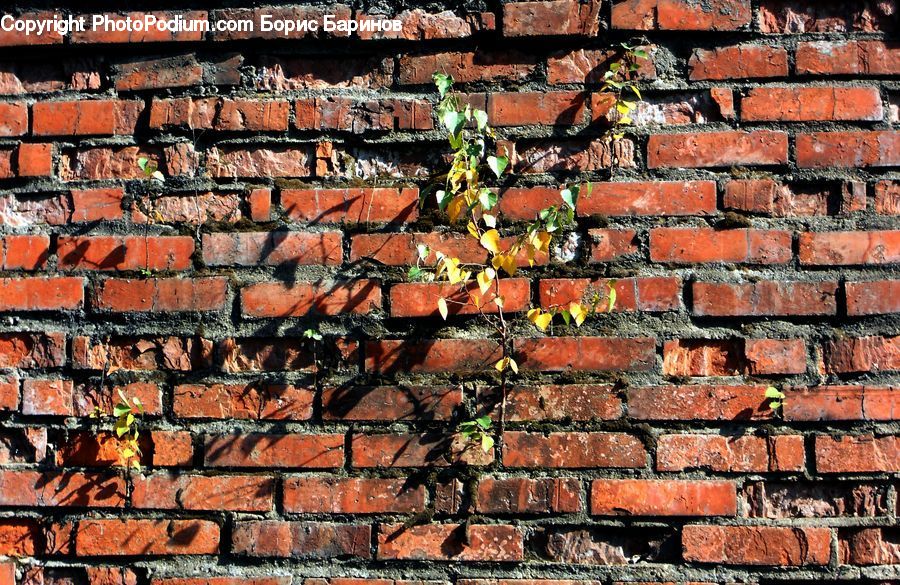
(541, 320)
(442, 307)
(491, 241)
(513, 365)
(484, 281)
(578, 313)
(501, 364)
(455, 208)
(498, 300)
(472, 229)
(505, 261)
(541, 241)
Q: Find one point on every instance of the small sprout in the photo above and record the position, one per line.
(775, 396)
(442, 307)
(312, 334)
(476, 431)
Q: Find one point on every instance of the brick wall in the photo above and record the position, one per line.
(752, 227)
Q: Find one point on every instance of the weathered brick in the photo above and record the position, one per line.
(61, 489)
(467, 66)
(868, 546)
(41, 294)
(585, 354)
(764, 298)
(13, 119)
(849, 149)
(742, 454)
(848, 57)
(580, 402)
(862, 354)
(495, 543)
(272, 248)
(142, 353)
(638, 198)
(431, 449)
(857, 454)
(887, 197)
(770, 499)
(301, 540)
(791, 16)
(719, 15)
(588, 66)
(363, 206)
(334, 495)
(243, 401)
(177, 491)
(420, 299)
(637, 497)
(32, 350)
(809, 104)
(738, 62)
(125, 252)
(24, 252)
(551, 17)
(273, 299)
(131, 536)
(528, 496)
(785, 546)
(294, 451)
(717, 149)
(651, 294)
(430, 355)
(842, 403)
(390, 403)
(160, 295)
(608, 245)
(848, 248)
(702, 245)
(876, 297)
(573, 450)
(696, 402)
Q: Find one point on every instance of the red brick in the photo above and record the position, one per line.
(35, 160)
(561, 108)
(97, 449)
(717, 149)
(272, 248)
(868, 546)
(417, 24)
(809, 104)
(360, 115)
(738, 62)
(172, 448)
(24, 445)
(221, 114)
(400, 249)
(388, 205)
(196, 209)
(785, 546)
(13, 119)
(842, 403)
(99, 163)
(703, 357)
(294, 451)
(588, 66)
(125, 252)
(32, 350)
(887, 197)
(174, 491)
(431, 355)
(110, 576)
(7, 574)
(140, 73)
(143, 353)
(775, 356)
(301, 540)
(467, 66)
(121, 536)
(570, 155)
(702, 245)
(23, 252)
(608, 245)
(862, 354)
(640, 497)
(572, 450)
(20, 537)
(528, 496)
(740, 454)
(288, 73)
(85, 117)
(551, 18)
(848, 248)
(272, 299)
(639, 198)
(260, 202)
(878, 297)
(16, 38)
(416, 450)
(346, 495)
(680, 15)
(89, 396)
(420, 299)
(259, 162)
(764, 298)
(41, 294)
(243, 401)
(194, 22)
(697, 402)
(771, 197)
(294, 13)
(847, 57)
(834, 16)
(47, 397)
(160, 295)
(61, 489)
(9, 393)
(556, 354)
(649, 294)
(7, 163)
(495, 543)
(390, 403)
(857, 454)
(849, 149)
(579, 402)
(96, 204)
(248, 355)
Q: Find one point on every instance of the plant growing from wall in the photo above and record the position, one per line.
(466, 197)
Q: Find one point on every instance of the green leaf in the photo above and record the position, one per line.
(567, 316)
(487, 443)
(772, 392)
(487, 198)
(414, 273)
(443, 83)
(774, 405)
(452, 121)
(121, 410)
(481, 118)
(569, 197)
(142, 163)
(497, 164)
(484, 422)
(640, 54)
